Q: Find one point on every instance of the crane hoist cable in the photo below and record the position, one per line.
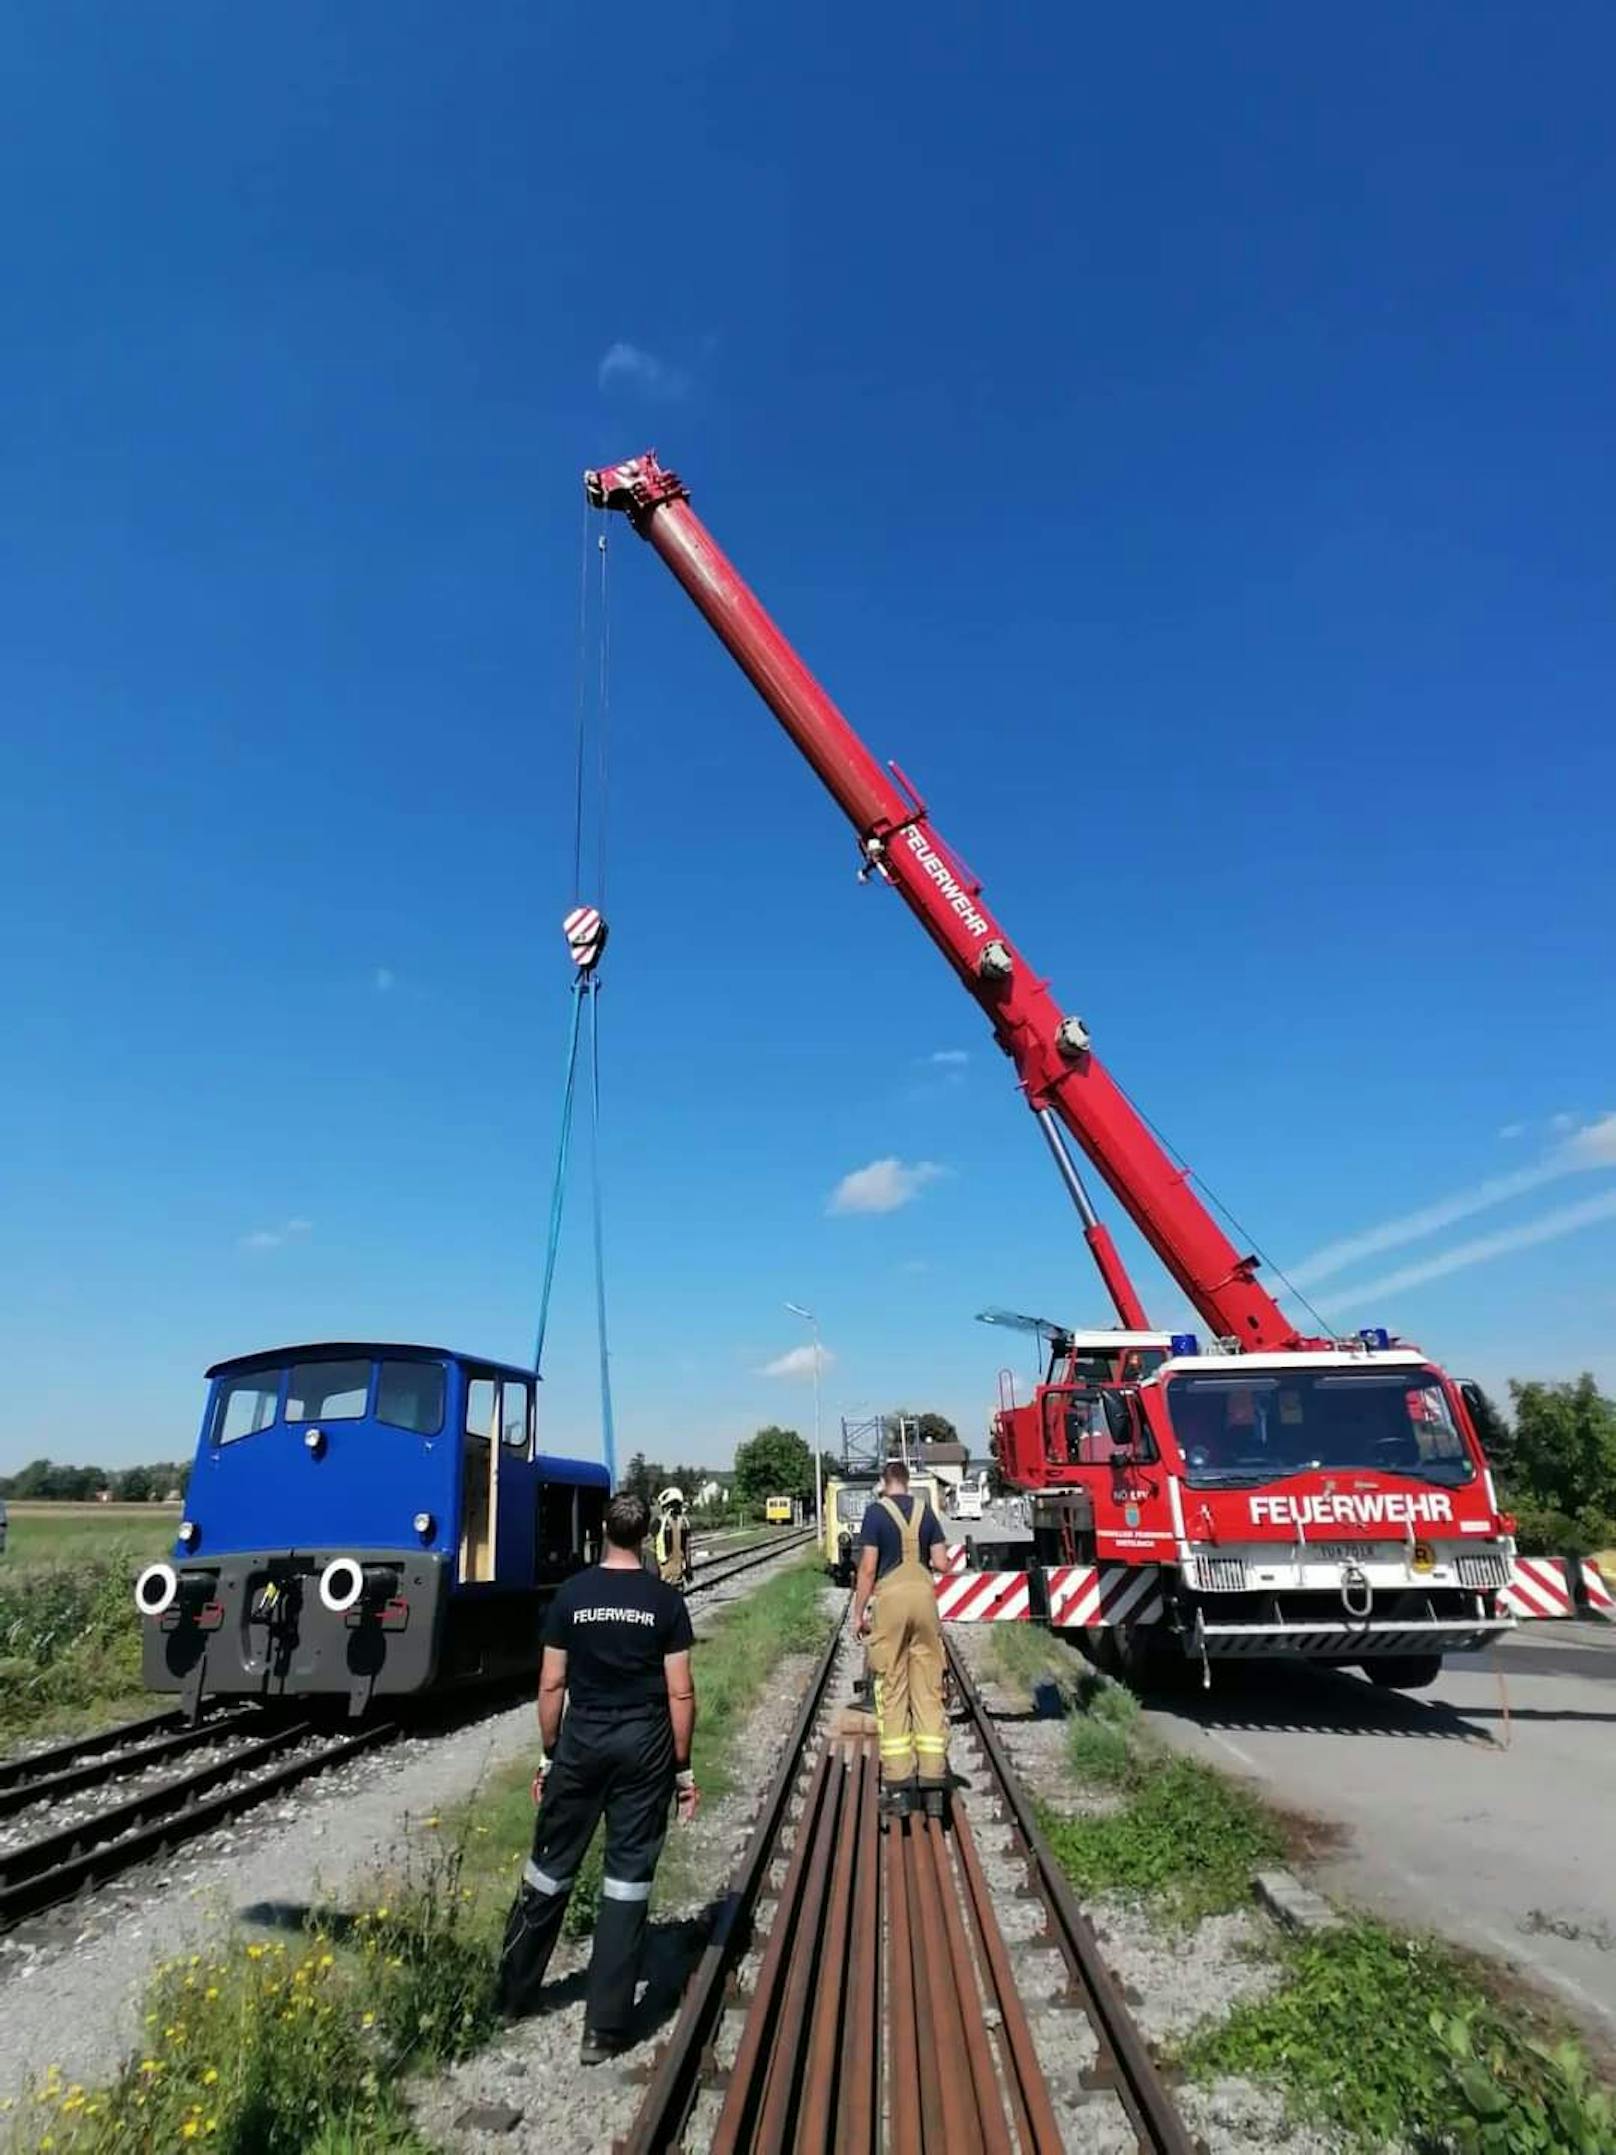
(586, 933)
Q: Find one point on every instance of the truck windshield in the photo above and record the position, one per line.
(1237, 1430)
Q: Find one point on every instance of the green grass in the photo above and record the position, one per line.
(69, 1644)
(1182, 1834)
(1025, 1659)
(1394, 2038)
(70, 1533)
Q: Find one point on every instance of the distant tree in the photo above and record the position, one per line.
(1497, 1439)
(636, 1477)
(774, 1463)
(1565, 1449)
(922, 1428)
(135, 1486)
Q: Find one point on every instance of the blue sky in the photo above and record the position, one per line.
(1182, 439)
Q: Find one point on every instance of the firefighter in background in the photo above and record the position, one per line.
(902, 1548)
(674, 1566)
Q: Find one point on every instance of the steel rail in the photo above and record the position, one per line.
(54, 1869)
(1125, 2056)
(36, 1764)
(98, 1769)
(659, 2126)
(749, 1559)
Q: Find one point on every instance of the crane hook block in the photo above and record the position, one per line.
(585, 930)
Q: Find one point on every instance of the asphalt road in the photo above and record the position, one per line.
(1484, 1808)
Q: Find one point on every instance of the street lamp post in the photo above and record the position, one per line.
(809, 1318)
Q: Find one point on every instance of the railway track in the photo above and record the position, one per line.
(883, 2008)
(248, 1754)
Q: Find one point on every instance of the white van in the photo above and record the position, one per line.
(968, 1500)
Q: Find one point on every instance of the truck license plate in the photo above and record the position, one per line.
(1344, 1552)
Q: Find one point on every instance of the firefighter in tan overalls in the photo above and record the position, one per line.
(903, 1546)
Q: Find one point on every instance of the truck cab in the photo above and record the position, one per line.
(1332, 1500)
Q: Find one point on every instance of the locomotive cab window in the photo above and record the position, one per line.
(328, 1392)
(516, 1417)
(409, 1395)
(246, 1405)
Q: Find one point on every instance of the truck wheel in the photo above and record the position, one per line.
(1404, 1672)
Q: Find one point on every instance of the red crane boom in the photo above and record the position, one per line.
(1058, 1069)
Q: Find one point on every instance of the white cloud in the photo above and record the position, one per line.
(1513, 1129)
(628, 366)
(1548, 1228)
(949, 1058)
(273, 1238)
(883, 1186)
(383, 979)
(796, 1362)
(1593, 1146)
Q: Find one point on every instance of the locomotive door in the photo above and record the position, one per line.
(479, 1481)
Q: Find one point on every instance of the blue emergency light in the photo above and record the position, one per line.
(1185, 1343)
(1374, 1335)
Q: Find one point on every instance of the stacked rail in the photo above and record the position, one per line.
(884, 2012)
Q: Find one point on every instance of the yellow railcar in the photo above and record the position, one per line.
(777, 1511)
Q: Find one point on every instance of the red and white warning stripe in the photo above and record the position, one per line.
(1539, 1586)
(1083, 1594)
(957, 1555)
(585, 931)
(1597, 1597)
(983, 1597)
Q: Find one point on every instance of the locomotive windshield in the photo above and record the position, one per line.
(407, 1395)
(1236, 1430)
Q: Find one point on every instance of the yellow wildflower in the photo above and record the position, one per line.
(327, 1960)
(190, 2129)
(150, 2065)
(367, 2020)
(210, 2076)
(212, 1991)
(255, 1952)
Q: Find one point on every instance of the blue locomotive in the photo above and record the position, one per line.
(364, 1519)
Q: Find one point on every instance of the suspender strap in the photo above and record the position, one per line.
(908, 1529)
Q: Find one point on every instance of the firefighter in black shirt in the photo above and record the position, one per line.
(617, 1651)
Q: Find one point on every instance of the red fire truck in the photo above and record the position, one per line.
(1266, 1492)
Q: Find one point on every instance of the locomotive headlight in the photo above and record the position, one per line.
(314, 1442)
(189, 1534)
(425, 1525)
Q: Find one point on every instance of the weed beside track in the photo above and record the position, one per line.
(69, 1642)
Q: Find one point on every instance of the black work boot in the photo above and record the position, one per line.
(597, 2047)
(936, 1798)
(898, 1800)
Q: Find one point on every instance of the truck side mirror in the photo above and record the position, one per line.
(1119, 1424)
